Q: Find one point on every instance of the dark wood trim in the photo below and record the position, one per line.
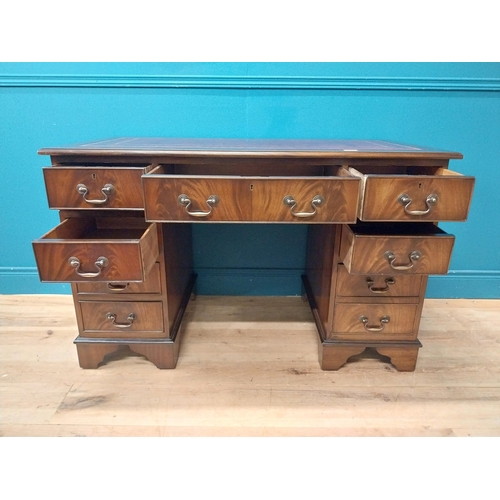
(380, 343)
(403, 355)
(249, 148)
(314, 308)
(182, 307)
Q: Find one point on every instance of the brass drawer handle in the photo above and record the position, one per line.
(130, 318)
(317, 201)
(100, 263)
(106, 191)
(212, 201)
(388, 282)
(117, 287)
(414, 256)
(430, 201)
(383, 321)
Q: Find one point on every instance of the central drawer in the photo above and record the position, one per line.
(312, 199)
(97, 249)
(173, 198)
(331, 198)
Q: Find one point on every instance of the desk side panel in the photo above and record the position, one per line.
(178, 265)
(322, 242)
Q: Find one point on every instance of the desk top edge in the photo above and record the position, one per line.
(326, 148)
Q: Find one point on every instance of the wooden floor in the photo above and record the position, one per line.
(248, 367)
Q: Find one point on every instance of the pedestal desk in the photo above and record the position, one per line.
(127, 207)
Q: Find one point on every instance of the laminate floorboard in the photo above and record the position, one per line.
(248, 367)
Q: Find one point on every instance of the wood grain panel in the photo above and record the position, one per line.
(340, 199)
(365, 253)
(150, 285)
(257, 199)
(178, 257)
(347, 323)
(61, 184)
(381, 194)
(321, 254)
(131, 253)
(148, 319)
(161, 195)
(356, 285)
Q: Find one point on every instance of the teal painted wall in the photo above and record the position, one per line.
(442, 105)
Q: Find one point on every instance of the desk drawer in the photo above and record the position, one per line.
(195, 198)
(374, 321)
(97, 249)
(358, 285)
(384, 248)
(151, 284)
(414, 194)
(94, 187)
(122, 319)
(324, 198)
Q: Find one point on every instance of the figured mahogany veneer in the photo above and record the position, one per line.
(365, 249)
(249, 198)
(376, 285)
(381, 192)
(348, 325)
(130, 251)
(122, 319)
(340, 195)
(127, 206)
(126, 192)
(151, 285)
(162, 198)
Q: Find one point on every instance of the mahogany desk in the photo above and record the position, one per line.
(127, 207)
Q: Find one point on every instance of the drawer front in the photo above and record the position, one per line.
(122, 319)
(151, 284)
(358, 285)
(374, 321)
(195, 199)
(86, 249)
(91, 188)
(445, 196)
(307, 200)
(396, 253)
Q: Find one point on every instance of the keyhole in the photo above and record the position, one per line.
(419, 185)
(94, 176)
(251, 187)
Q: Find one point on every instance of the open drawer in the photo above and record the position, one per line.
(385, 248)
(328, 198)
(92, 187)
(194, 198)
(413, 194)
(97, 249)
